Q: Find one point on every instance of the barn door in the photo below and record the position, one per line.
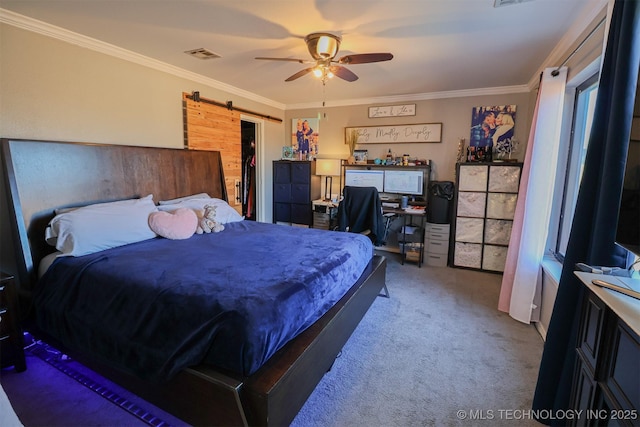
(216, 128)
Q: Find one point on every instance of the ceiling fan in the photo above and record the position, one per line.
(323, 48)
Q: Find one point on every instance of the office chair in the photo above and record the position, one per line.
(360, 211)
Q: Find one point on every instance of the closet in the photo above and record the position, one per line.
(248, 182)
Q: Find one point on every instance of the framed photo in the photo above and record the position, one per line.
(492, 127)
(360, 156)
(287, 152)
(392, 111)
(305, 136)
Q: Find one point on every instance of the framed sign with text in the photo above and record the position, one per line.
(422, 132)
(392, 111)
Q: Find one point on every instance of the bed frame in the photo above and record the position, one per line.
(41, 176)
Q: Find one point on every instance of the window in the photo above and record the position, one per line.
(584, 105)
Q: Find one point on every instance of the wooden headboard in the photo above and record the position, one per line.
(41, 176)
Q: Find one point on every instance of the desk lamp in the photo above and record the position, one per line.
(329, 168)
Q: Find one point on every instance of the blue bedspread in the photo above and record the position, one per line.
(229, 299)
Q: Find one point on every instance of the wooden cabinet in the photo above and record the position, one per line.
(295, 186)
(606, 383)
(11, 339)
(485, 203)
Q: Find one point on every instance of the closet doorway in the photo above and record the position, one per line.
(249, 191)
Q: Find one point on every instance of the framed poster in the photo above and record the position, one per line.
(492, 127)
(422, 132)
(305, 136)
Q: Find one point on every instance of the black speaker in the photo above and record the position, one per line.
(439, 202)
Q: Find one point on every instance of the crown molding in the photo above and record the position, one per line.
(502, 90)
(587, 20)
(43, 28)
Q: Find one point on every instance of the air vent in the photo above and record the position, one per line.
(500, 3)
(202, 53)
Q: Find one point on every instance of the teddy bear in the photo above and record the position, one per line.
(207, 222)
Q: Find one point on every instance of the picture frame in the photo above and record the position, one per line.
(305, 136)
(492, 127)
(392, 111)
(419, 132)
(360, 156)
(287, 152)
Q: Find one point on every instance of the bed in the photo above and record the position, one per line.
(271, 380)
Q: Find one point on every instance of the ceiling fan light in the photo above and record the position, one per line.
(322, 46)
(330, 74)
(317, 72)
(327, 46)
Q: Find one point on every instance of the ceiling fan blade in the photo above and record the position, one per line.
(364, 58)
(299, 74)
(300, 61)
(343, 73)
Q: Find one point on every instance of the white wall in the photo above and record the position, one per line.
(58, 91)
(453, 113)
(53, 90)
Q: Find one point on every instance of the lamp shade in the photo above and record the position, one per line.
(328, 167)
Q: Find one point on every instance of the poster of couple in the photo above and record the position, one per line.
(305, 136)
(492, 126)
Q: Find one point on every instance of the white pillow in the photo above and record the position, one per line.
(181, 199)
(101, 226)
(224, 212)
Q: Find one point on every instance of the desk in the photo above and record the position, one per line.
(415, 238)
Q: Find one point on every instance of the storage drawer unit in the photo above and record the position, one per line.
(437, 249)
(485, 202)
(295, 185)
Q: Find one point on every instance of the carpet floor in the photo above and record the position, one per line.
(437, 353)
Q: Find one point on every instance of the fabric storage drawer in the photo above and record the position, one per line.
(301, 214)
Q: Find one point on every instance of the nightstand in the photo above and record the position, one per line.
(325, 214)
(11, 338)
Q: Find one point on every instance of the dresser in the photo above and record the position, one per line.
(11, 339)
(606, 384)
(485, 203)
(295, 186)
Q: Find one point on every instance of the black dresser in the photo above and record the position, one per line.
(295, 186)
(11, 339)
(606, 386)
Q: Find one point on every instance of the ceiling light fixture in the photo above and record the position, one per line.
(322, 45)
(323, 72)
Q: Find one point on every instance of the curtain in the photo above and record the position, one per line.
(593, 229)
(520, 291)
